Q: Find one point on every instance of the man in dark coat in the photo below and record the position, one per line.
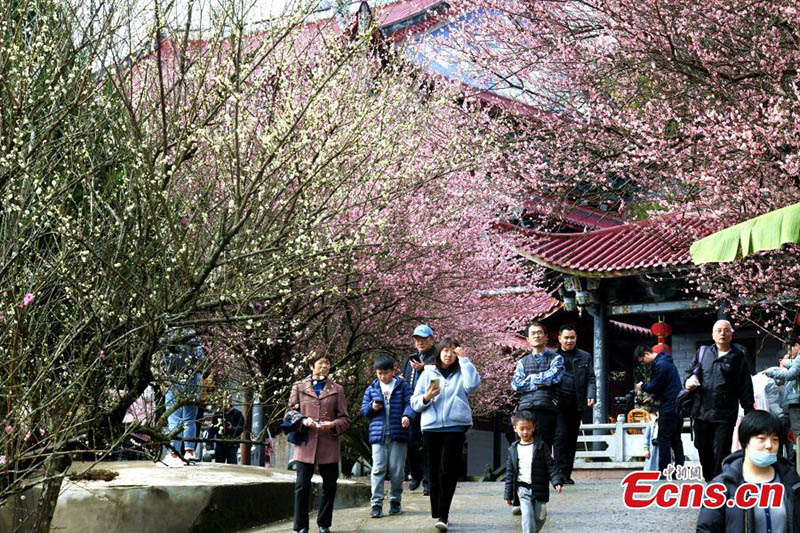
(413, 366)
(723, 378)
(232, 427)
(664, 385)
(577, 391)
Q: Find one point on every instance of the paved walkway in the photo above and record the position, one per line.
(592, 505)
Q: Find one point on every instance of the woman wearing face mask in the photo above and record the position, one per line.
(757, 463)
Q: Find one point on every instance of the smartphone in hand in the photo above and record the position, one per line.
(435, 382)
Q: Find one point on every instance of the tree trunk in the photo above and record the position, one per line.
(57, 467)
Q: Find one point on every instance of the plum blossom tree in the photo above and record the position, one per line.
(269, 193)
(652, 107)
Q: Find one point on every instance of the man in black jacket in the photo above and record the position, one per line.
(664, 385)
(232, 426)
(578, 390)
(413, 366)
(723, 378)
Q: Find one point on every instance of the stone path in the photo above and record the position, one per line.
(592, 505)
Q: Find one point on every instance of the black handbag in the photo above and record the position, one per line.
(689, 400)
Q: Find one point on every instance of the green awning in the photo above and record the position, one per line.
(766, 232)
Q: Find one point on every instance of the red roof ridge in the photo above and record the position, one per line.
(658, 242)
(627, 225)
(579, 215)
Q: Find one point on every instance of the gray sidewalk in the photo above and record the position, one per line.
(592, 505)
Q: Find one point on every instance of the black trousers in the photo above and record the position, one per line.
(444, 450)
(546, 425)
(713, 442)
(225, 452)
(416, 459)
(302, 494)
(568, 422)
(669, 439)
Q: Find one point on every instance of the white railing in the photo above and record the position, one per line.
(619, 445)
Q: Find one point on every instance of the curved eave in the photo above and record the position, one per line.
(599, 273)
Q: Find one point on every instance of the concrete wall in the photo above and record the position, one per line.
(203, 498)
(480, 451)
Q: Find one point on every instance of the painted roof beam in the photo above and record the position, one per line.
(659, 307)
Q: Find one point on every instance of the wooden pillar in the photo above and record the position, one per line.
(600, 411)
(258, 428)
(247, 411)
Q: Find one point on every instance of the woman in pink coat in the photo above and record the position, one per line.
(323, 404)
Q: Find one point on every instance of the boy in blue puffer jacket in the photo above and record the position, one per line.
(386, 402)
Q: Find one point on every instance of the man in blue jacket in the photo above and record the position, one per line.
(387, 402)
(664, 386)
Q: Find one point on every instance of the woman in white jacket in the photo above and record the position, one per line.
(442, 398)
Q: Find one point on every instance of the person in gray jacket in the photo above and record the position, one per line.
(442, 397)
(790, 375)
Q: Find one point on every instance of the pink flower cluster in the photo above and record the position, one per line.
(27, 300)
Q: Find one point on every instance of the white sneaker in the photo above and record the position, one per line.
(172, 460)
(441, 526)
(188, 455)
(516, 510)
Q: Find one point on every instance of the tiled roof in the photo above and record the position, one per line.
(543, 305)
(653, 244)
(512, 340)
(397, 16)
(630, 328)
(538, 303)
(576, 215)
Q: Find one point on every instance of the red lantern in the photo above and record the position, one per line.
(661, 329)
(662, 348)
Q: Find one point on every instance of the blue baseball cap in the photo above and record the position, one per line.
(422, 331)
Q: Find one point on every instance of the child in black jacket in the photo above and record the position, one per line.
(529, 468)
